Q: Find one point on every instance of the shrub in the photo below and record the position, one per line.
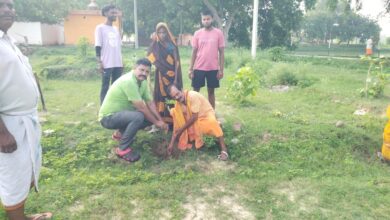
(277, 53)
(376, 79)
(243, 84)
(305, 81)
(82, 46)
(286, 78)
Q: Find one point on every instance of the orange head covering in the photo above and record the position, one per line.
(165, 26)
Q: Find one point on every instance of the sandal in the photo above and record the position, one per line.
(41, 216)
(127, 155)
(116, 136)
(223, 156)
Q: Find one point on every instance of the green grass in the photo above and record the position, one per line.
(290, 162)
(353, 50)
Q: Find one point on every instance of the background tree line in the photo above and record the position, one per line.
(279, 20)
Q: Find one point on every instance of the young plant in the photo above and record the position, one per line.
(243, 84)
(376, 79)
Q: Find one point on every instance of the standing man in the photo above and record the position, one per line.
(108, 50)
(207, 58)
(129, 107)
(369, 45)
(20, 149)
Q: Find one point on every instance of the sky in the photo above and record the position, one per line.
(374, 9)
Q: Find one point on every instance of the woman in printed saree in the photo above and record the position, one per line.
(163, 53)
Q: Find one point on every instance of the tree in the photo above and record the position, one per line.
(46, 11)
(319, 26)
(225, 12)
(279, 19)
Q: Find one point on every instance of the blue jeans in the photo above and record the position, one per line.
(128, 123)
(109, 74)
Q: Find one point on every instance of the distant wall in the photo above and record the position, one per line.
(82, 23)
(36, 33)
(52, 34)
(184, 39)
(27, 30)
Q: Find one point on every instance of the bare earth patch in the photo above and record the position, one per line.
(301, 194)
(214, 200)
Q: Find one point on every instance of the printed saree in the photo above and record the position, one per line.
(162, 56)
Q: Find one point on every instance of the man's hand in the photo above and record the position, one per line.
(162, 125)
(178, 132)
(220, 74)
(170, 149)
(7, 142)
(100, 67)
(190, 74)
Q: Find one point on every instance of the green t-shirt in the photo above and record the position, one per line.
(122, 93)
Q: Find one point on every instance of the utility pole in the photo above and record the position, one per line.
(254, 28)
(135, 26)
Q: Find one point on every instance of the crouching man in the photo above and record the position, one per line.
(128, 107)
(193, 117)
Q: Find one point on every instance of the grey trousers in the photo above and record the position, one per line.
(128, 123)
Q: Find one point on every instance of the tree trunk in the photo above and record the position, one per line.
(228, 23)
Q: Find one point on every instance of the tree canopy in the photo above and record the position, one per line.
(278, 19)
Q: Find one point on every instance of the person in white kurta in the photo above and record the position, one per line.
(20, 149)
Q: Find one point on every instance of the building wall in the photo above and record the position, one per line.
(82, 24)
(30, 31)
(184, 39)
(52, 34)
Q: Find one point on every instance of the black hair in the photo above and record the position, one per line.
(169, 88)
(206, 12)
(106, 8)
(144, 61)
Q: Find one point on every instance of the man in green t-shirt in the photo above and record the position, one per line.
(128, 107)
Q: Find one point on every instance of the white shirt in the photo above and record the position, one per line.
(108, 38)
(18, 90)
(369, 43)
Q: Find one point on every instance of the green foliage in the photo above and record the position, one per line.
(289, 161)
(243, 84)
(319, 26)
(82, 46)
(52, 12)
(376, 79)
(285, 78)
(277, 53)
(292, 75)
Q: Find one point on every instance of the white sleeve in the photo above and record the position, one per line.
(98, 37)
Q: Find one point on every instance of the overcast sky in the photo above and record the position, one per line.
(373, 9)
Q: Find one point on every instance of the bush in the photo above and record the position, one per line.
(286, 78)
(305, 81)
(82, 46)
(243, 84)
(277, 53)
(291, 75)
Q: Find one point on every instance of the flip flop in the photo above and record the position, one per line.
(221, 156)
(41, 216)
(127, 155)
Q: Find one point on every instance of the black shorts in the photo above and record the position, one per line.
(200, 76)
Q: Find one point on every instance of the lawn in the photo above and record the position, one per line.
(335, 50)
(289, 160)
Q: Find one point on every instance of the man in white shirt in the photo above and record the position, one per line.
(20, 149)
(108, 49)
